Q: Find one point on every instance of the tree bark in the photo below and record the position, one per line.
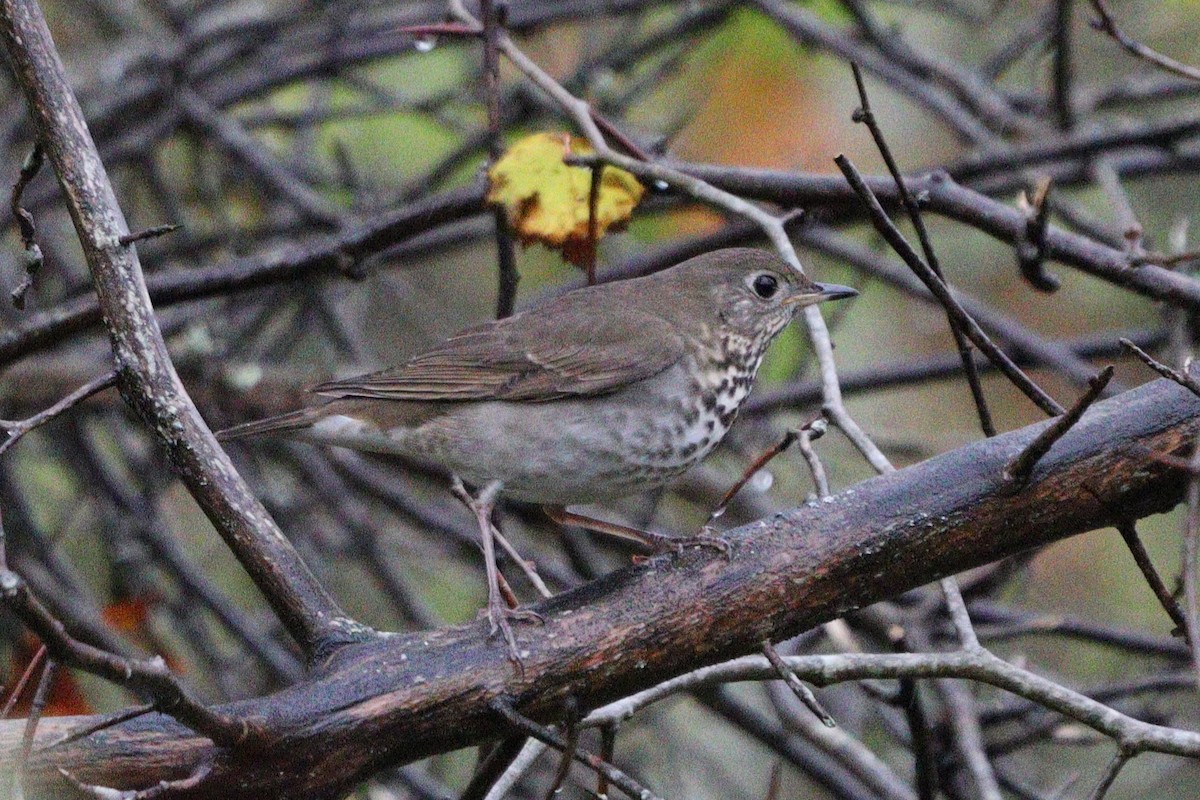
(395, 700)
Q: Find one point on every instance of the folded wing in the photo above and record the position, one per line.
(561, 350)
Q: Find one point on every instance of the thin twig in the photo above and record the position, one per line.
(1128, 224)
(243, 148)
(1063, 107)
(25, 224)
(41, 697)
(1019, 470)
(148, 233)
(571, 725)
(597, 174)
(1129, 533)
(32, 667)
(1164, 260)
(924, 744)
(1032, 248)
(608, 748)
(525, 565)
(810, 432)
(1182, 378)
(493, 767)
(1106, 24)
(960, 618)
(968, 737)
(613, 775)
(1034, 29)
(1191, 551)
(105, 722)
(831, 392)
(506, 259)
(15, 430)
(866, 115)
(775, 782)
(623, 141)
(162, 789)
(151, 676)
(802, 692)
(440, 29)
(976, 334)
(960, 703)
(500, 789)
(765, 458)
(1122, 757)
(981, 665)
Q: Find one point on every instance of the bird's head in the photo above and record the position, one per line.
(752, 292)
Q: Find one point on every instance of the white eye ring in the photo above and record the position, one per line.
(765, 285)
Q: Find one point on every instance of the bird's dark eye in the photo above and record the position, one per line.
(765, 286)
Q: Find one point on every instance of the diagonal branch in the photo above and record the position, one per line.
(866, 115)
(401, 698)
(1107, 25)
(145, 374)
(968, 325)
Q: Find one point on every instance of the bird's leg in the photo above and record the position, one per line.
(657, 542)
(528, 567)
(813, 429)
(750, 472)
(498, 611)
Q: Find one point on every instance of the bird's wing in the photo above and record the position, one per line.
(532, 356)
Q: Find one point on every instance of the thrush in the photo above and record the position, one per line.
(604, 392)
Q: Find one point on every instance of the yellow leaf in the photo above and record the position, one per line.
(546, 200)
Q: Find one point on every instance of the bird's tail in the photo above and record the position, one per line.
(294, 420)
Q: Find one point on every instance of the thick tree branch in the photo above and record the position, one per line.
(398, 699)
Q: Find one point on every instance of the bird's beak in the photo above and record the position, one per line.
(831, 291)
(824, 291)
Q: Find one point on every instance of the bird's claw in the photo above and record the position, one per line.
(708, 538)
(499, 620)
(662, 544)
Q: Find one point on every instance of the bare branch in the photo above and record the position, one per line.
(1021, 468)
(1180, 377)
(611, 774)
(151, 676)
(144, 369)
(33, 252)
(15, 430)
(801, 691)
(1107, 25)
(885, 226)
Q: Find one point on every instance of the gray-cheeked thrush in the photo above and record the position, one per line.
(604, 392)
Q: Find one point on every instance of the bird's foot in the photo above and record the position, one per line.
(661, 543)
(657, 543)
(500, 617)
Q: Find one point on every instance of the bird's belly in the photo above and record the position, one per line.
(576, 451)
(568, 452)
(564, 452)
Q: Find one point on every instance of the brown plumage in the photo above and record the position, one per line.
(600, 393)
